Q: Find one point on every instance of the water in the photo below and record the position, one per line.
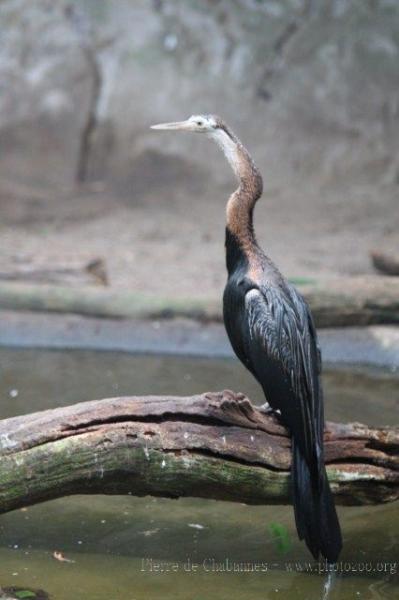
(127, 548)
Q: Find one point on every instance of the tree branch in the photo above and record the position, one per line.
(335, 302)
(215, 445)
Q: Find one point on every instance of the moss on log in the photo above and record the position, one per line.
(215, 445)
(335, 302)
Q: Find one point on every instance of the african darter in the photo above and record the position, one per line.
(271, 330)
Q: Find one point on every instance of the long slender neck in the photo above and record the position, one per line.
(239, 210)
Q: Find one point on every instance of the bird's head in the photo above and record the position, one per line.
(217, 130)
(196, 124)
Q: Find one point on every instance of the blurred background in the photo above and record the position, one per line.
(89, 194)
(310, 86)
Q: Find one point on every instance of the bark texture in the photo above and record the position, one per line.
(214, 445)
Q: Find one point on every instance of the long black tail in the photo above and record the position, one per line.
(315, 515)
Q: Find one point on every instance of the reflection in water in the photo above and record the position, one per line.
(108, 537)
(330, 582)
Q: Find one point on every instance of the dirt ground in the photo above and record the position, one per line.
(169, 240)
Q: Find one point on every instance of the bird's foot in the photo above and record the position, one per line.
(266, 409)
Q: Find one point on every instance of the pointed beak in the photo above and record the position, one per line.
(178, 126)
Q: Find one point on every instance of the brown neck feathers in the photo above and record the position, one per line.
(240, 206)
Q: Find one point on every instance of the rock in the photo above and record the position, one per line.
(311, 86)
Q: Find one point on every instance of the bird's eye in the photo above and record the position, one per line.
(199, 123)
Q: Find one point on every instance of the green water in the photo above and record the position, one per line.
(192, 544)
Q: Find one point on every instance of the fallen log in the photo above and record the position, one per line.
(215, 445)
(336, 302)
(350, 301)
(93, 272)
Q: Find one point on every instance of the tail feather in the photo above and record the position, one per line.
(315, 515)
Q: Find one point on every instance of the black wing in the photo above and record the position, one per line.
(282, 348)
